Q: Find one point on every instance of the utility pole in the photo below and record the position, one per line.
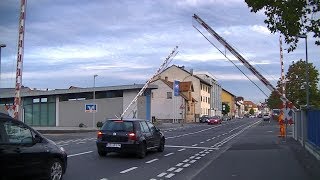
(94, 102)
(1, 46)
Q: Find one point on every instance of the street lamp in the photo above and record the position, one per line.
(94, 100)
(1, 46)
(307, 68)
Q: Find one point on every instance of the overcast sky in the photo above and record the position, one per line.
(124, 42)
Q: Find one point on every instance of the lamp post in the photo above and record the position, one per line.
(94, 101)
(307, 69)
(1, 46)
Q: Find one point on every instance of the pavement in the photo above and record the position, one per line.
(260, 154)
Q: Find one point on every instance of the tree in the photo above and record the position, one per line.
(225, 108)
(290, 18)
(251, 111)
(274, 101)
(296, 83)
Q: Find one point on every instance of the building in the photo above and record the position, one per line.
(67, 107)
(229, 99)
(201, 87)
(215, 94)
(250, 105)
(167, 107)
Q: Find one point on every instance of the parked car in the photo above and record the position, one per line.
(25, 153)
(204, 118)
(266, 117)
(252, 116)
(226, 118)
(129, 136)
(260, 116)
(214, 120)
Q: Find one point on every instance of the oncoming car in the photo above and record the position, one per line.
(214, 120)
(129, 136)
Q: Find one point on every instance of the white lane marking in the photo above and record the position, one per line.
(178, 170)
(197, 154)
(153, 179)
(198, 158)
(104, 179)
(186, 165)
(218, 136)
(63, 144)
(207, 152)
(203, 155)
(181, 149)
(81, 142)
(208, 139)
(180, 164)
(224, 134)
(171, 169)
(192, 161)
(128, 170)
(234, 135)
(153, 160)
(169, 175)
(161, 174)
(210, 150)
(186, 160)
(78, 154)
(168, 154)
(191, 147)
(201, 142)
(195, 145)
(213, 138)
(191, 157)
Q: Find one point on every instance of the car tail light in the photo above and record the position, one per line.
(100, 134)
(132, 136)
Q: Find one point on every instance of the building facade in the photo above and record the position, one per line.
(229, 98)
(250, 105)
(215, 94)
(166, 107)
(67, 107)
(201, 92)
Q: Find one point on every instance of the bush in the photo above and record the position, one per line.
(99, 124)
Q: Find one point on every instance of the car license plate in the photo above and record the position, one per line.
(114, 145)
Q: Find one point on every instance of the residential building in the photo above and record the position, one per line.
(215, 94)
(67, 107)
(167, 107)
(229, 98)
(201, 87)
(250, 105)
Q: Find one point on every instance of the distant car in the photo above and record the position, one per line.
(25, 153)
(252, 116)
(260, 116)
(129, 136)
(266, 117)
(204, 118)
(226, 118)
(214, 120)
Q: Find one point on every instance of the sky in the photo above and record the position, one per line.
(125, 42)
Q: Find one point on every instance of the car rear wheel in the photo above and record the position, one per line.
(142, 151)
(161, 146)
(55, 170)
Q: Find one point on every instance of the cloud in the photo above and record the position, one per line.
(260, 29)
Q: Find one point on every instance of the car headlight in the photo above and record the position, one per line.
(62, 149)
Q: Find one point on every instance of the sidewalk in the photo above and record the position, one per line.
(259, 154)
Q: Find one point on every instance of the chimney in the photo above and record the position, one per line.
(191, 71)
(166, 78)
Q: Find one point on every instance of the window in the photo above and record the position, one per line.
(169, 95)
(17, 133)
(126, 126)
(152, 95)
(152, 127)
(144, 127)
(188, 108)
(37, 100)
(44, 99)
(201, 98)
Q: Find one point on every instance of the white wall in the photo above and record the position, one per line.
(128, 96)
(163, 108)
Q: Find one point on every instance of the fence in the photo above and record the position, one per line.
(313, 128)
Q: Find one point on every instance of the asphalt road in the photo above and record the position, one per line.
(188, 151)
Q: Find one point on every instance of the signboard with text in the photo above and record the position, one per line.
(91, 108)
(176, 88)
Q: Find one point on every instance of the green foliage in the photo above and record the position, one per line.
(225, 108)
(274, 101)
(296, 84)
(290, 18)
(251, 111)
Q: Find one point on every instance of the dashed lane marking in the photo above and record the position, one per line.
(168, 154)
(171, 169)
(179, 164)
(191, 147)
(128, 170)
(181, 149)
(186, 165)
(78, 154)
(195, 145)
(192, 161)
(151, 161)
(161, 174)
(178, 170)
(169, 175)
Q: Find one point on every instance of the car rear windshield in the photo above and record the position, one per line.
(126, 126)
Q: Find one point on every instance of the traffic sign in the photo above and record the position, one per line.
(91, 108)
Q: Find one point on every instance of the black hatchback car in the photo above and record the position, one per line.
(25, 153)
(129, 136)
